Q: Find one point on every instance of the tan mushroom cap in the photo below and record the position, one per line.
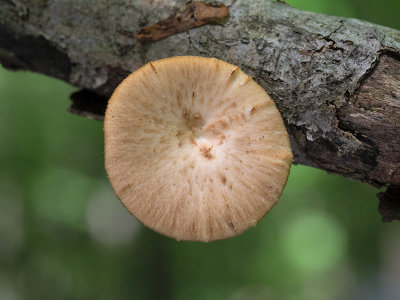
(195, 149)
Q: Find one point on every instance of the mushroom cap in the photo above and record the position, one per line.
(195, 149)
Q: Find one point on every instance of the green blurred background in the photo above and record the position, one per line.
(64, 235)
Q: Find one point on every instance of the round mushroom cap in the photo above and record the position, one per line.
(195, 149)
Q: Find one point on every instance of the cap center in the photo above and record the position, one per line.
(203, 137)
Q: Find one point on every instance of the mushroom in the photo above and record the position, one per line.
(195, 149)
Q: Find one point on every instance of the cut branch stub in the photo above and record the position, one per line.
(195, 149)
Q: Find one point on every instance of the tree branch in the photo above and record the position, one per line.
(336, 81)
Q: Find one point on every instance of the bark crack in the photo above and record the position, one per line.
(194, 15)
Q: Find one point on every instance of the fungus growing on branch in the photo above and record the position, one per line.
(195, 149)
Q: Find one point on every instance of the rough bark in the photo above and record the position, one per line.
(336, 81)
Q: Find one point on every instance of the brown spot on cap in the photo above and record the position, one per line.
(206, 151)
(231, 225)
(223, 179)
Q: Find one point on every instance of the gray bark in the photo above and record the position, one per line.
(336, 81)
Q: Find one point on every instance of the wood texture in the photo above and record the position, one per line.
(335, 80)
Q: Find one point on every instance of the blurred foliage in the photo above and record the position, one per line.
(64, 235)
